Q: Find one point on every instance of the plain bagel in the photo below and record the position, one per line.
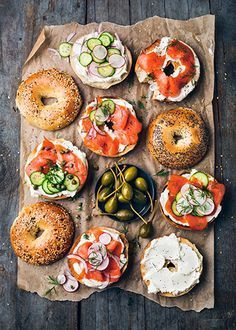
(42, 233)
(178, 138)
(46, 84)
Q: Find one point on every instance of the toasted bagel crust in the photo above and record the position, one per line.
(169, 294)
(126, 251)
(49, 83)
(57, 231)
(178, 138)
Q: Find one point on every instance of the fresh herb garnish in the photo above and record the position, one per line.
(141, 105)
(125, 229)
(162, 172)
(80, 207)
(53, 281)
(135, 244)
(85, 236)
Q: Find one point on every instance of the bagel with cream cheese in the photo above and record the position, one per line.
(99, 257)
(109, 127)
(42, 233)
(171, 266)
(192, 200)
(100, 60)
(178, 138)
(171, 67)
(49, 84)
(56, 169)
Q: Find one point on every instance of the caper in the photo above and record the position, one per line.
(103, 194)
(124, 215)
(131, 173)
(145, 230)
(111, 205)
(121, 198)
(35, 187)
(107, 178)
(127, 191)
(141, 184)
(70, 176)
(58, 186)
(118, 183)
(63, 187)
(139, 197)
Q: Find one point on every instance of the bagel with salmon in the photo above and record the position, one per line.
(192, 200)
(42, 233)
(49, 84)
(100, 60)
(99, 257)
(178, 138)
(56, 169)
(171, 67)
(109, 127)
(171, 266)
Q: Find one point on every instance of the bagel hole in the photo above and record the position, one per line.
(39, 233)
(48, 100)
(177, 137)
(169, 69)
(171, 266)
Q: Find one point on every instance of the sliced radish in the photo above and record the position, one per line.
(95, 258)
(105, 238)
(69, 276)
(75, 256)
(61, 279)
(104, 264)
(185, 189)
(98, 247)
(183, 206)
(100, 52)
(71, 286)
(207, 208)
(98, 130)
(200, 196)
(116, 61)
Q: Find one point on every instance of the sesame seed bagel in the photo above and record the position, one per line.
(42, 233)
(178, 138)
(46, 84)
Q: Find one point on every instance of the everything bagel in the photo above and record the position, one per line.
(42, 233)
(178, 138)
(47, 84)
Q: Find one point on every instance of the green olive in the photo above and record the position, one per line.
(111, 205)
(124, 215)
(131, 173)
(104, 193)
(121, 198)
(146, 230)
(139, 197)
(107, 178)
(127, 191)
(141, 184)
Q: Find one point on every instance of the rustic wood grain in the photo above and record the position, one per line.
(20, 23)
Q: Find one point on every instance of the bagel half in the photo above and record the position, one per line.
(170, 294)
(42, 233)
(33, 154)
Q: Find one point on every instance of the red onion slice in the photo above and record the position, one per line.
(75, 256)
(98, 130)
(70, 36)
(104, 264)
(61, 279)
(105, 238)
(116, 61)
(93, 69)
(71, 286)
(100, 52)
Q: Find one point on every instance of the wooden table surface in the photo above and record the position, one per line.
(20, 24)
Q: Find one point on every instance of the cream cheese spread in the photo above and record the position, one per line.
(170, 266)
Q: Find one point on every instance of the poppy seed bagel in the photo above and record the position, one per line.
(178, 138)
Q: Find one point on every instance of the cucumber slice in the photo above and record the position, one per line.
(92, 115)
(207, 208)
(105, 40)
(106, 70)
(109, 105)
(183, 206)
(201, 177)
(92, 42)
(85, 59)
(56, 176)
(71, 182)
(65, 49)
(101, 115)
(37, 178)
(173, 207)
(45, 188)
(109, 35)
(97, 60)
(112, 51)
(178, 196)
(52, 188)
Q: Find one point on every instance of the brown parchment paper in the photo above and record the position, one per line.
(199, 34)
